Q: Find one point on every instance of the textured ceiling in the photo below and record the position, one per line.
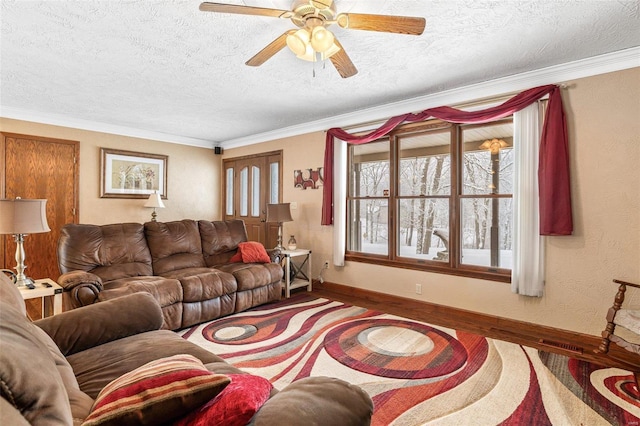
(166, 67)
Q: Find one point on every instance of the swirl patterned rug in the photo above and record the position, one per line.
(417, 373)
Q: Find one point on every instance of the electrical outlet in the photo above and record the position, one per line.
(326, 264)
(418, 288)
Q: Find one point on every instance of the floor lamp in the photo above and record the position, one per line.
(19, 218)
(279, 213)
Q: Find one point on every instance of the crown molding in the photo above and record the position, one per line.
(95, 126)
(610, 62)
(557, 74)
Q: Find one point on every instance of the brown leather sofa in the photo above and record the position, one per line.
(53, 369)
(184, 264)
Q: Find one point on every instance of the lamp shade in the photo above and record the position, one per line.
(321, 39)
(23, 216)
(279, 213)
(298, 41)
(154, 201)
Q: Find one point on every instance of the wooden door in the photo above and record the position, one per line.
(250, 184)
(38, 167)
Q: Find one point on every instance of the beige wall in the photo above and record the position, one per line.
(603, 114)
(193, 176)
(603, 119)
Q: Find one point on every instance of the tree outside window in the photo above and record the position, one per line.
(435, 196)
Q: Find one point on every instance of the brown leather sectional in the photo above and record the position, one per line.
(54, 368)
(183, 264)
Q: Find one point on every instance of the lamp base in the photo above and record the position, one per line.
(279, 243)
(21, 279)
(26, 282)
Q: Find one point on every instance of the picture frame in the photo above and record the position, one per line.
(129, 174)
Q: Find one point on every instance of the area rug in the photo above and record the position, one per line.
(419, 373)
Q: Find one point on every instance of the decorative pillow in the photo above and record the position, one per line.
(236, 258)
(160, 391)
(251, 252)
(235, 405)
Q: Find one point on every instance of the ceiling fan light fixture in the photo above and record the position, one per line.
(298, 42)
(332, 50)
(309, 54)
(321, 39)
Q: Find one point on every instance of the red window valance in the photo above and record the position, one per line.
(553, 166)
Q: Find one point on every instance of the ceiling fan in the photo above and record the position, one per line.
(312, 40)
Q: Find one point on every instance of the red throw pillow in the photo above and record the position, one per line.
(236, 258)
(235, 405)
(253, 252)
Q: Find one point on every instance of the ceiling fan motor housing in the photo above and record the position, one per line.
(310, 14)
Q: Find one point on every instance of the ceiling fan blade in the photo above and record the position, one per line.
(271, 49)
(244, 10)
(322, 4)
(342, 62)
(383, 23)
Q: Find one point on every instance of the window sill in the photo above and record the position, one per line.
(483, 273)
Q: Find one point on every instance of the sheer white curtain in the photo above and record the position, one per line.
(527, 275)
(339, 201)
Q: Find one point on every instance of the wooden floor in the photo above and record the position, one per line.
(576, 345)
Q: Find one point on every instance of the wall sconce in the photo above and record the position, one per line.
(279, 213)
(154, 202)
(19, 218)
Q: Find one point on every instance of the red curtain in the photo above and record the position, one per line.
(553, 167)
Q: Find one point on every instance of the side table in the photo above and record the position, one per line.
(44, 292)
(296, 273)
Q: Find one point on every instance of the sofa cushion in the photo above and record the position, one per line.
(29, 378)
(166, 291)
(207, 285)
(334, 401)
(96, 324)
(96, 367)
(158, 392)
(186, 272)
(253, 275)
(174, 245)
(109, 251)
(235, 405)
(220, 239)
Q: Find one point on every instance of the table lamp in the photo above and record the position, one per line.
(19, 218)
(156, 202)
(279, 213)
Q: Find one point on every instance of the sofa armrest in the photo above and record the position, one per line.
(317, 401)
(83, 328)
(275, 255)
(82, 287)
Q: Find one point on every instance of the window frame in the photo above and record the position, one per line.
(453, 266)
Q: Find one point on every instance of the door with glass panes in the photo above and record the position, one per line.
(250, 184)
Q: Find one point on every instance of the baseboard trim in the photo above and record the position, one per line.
(550, 339)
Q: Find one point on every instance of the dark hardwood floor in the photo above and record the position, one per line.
(572, 344)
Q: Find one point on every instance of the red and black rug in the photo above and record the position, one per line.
(418, 373)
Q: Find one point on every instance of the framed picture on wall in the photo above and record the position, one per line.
(128, 174)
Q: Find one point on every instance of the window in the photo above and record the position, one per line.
(434, 196)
